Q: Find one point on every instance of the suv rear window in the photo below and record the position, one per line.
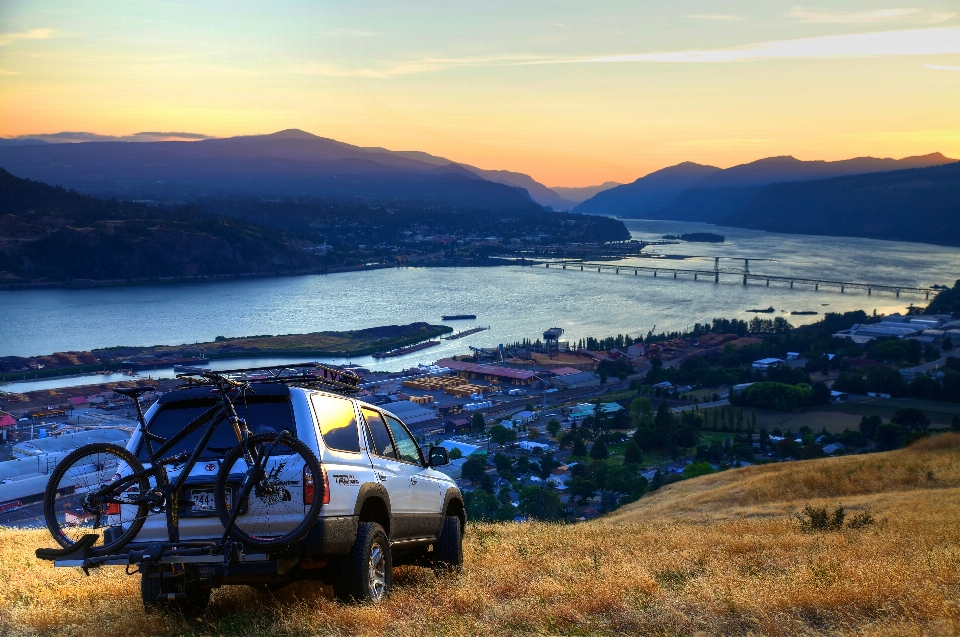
(263, 414)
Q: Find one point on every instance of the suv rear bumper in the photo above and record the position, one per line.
(330, 536)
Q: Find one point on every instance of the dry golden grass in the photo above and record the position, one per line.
(716, 555)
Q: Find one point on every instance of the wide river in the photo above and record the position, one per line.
(516, 302)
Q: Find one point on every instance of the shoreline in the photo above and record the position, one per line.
(346, 344)
(88, 284)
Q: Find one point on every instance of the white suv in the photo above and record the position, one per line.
(384, 503)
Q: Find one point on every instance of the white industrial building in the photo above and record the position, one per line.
(766, 363)
(926, 328)
(409, 412)
(69, 442)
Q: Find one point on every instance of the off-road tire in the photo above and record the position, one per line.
(50, 496)
(151, 588)
(354, 582)
(448, 551)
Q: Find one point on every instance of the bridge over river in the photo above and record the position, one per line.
(742, 274)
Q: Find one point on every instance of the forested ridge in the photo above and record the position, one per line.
(54, 234)
(50, 234)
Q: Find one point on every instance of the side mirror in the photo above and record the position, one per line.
(439, 456)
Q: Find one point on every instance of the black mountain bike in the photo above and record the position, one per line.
(99, 496)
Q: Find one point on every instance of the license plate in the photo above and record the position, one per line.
(203, 500)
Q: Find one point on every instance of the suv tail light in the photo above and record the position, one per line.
(309, 487)
(326, 487)
(113, 508)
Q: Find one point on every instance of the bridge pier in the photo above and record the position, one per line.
(744, 279)
(546, 265)
(869, 291)
(581, 268)
(816, 286)
(635, 270)
(768, 282)
(898, 293)
(694, 275)
(928, 295)
(841, 289)
(674, 274)
(654, 274)
(598, 268)
(791, 285)
(564, 266)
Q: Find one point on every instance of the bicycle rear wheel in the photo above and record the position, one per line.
(286, 496)
(80, 498)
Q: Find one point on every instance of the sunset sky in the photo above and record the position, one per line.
(572, 93)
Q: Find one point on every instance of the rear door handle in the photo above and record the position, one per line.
(413, 480)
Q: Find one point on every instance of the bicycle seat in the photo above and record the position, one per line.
(133, 392)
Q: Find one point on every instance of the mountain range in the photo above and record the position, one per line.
(693, 192)
(919, 204)
(293, 163)
(287, 163)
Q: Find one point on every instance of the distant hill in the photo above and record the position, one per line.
(922, 204)
(725, 192)
(537, 191)
(48, 233)
(647, 194)
(579, 195)
(691, 192)
(287, 163)
(52, 235)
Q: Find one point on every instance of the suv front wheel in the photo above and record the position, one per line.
(448, 551)
(366, 572)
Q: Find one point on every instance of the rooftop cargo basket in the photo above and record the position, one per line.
(309, 375)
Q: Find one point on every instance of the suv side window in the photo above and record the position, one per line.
(382, 443)
(338, 423)
(406, 445)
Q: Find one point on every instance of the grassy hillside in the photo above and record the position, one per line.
(714, 555)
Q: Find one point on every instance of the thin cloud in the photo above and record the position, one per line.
(720, 17)
(933, 18)
(935, 41)
(425, 65)
(931, 41)
(78, 137)
(862, 17)
(938, 67)
(351, 32)
(6, 72)
(33, 34)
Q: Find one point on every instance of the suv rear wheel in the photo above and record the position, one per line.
(366, 572)
(448, 551)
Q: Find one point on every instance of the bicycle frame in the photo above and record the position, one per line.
(168, 493)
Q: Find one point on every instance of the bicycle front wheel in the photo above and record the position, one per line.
(84, 497)
(284, 499)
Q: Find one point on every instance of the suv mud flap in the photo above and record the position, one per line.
(329, 536)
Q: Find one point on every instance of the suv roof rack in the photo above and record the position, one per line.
(310, 375)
